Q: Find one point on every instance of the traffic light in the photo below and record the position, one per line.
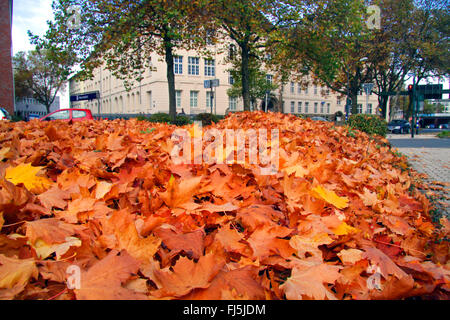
(410, 92)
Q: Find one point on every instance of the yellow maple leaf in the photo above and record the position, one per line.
(44, 250)
(16, 272)
(330, 197)
(344, 229)
(27, 174)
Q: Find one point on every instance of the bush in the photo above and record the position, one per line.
(369, 124)
(208, 118)
(444, 134)
(165, 118)
(182, 120)
(159, 117)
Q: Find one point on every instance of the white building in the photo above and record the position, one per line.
(27, 106)
(151, 94)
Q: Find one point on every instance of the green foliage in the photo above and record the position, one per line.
(369, 124)
(165, 118)
(258, 84)
(444, 134)
(429, 108)
(159, 117)
(182, 120)
(208, 118)
(41, 74)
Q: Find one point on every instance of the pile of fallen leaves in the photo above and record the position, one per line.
(340, 220)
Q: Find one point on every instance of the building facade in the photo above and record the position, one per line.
(26, 106)
(6, 72)
(191, 70)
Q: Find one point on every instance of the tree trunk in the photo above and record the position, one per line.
(280, 100)
(383, 101)
(245, 77)
(170, 80)
(354, 97)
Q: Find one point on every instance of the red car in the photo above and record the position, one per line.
(69, 115)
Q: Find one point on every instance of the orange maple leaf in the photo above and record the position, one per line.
(103, 281)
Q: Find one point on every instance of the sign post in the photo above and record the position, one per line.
(368, 90)
(211, 84)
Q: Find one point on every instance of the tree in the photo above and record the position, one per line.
(413, 38)
(258, 85)
(430, 108)
(123, 34)
(41, 74)
(325, 40)
(246, 24)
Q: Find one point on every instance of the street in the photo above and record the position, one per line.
(429, 155)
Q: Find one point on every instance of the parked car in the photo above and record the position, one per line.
(399, 126)
(443, 126)
(319, 119)
(32, 116)
(69, 115)
(4, 115)
(430, 126)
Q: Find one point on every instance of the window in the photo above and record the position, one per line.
(359, 109)
(269, 78)
(306, 90)
(194, 99)
(209, 103)
(299, 88)
(338, 102)
(232, 103)
(306, 107)
(299, 108)
(328, 108)
(230, 78)
(322, 108)
(315, 89)
(292, 107)
(232, 52)
(178, 98)
(78, 114)
(292, 87)
(210, 68)
(178, 65)
(369, 108)
(316, 104)
(60, 115)
(193, 66)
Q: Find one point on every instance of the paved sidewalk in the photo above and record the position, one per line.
(430, 155)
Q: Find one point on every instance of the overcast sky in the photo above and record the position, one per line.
(29, 15)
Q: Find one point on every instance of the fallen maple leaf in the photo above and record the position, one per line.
(310, 282)
(330, 196)
(122, 226)
(16, 272)
(27, 174)
(186, 275)
(103, 281)
(180, 192)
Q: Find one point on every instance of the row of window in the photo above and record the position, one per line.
(299, 90)
(301, 107)
(194, 66)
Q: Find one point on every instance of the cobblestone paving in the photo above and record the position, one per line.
(425, 156)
